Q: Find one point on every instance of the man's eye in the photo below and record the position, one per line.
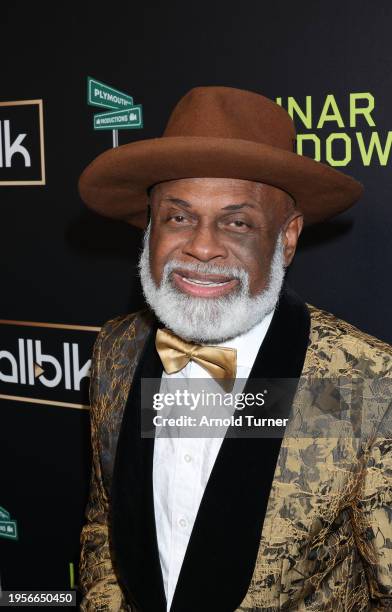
(237, 223)
(177, 218)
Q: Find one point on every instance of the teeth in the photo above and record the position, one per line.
(194, 281)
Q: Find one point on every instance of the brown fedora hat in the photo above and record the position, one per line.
(216, 132)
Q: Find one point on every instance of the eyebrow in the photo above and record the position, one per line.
(188, 205)
(177, 201)
(238, 206)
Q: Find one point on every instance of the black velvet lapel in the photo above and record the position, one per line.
(222, 550)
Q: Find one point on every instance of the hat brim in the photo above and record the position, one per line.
(115, 183)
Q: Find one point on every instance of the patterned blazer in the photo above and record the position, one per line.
(299, 523)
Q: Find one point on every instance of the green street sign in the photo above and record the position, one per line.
(8, 529)
(4, 515)
(129, 119)
(99, 94)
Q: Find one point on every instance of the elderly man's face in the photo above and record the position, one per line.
(226, 222)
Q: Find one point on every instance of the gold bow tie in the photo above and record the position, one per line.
(175, 353)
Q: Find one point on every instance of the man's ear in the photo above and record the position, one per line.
(291, 232)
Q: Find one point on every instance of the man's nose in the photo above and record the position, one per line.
(205, 244)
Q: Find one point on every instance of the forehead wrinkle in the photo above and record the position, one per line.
(263, 198)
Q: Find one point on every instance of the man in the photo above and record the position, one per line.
(300, 521)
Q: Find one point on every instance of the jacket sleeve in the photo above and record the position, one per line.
(373, 514)
(98, 584)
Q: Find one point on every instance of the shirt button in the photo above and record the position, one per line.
(187, 458)
(182, 522)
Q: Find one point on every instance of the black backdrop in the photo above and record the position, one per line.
(61, 264)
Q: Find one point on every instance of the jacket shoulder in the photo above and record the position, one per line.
(117, 347)
(115, 356)
(129, 325)
(349, 346)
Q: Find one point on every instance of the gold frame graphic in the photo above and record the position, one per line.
(42, 142)
(53, 325)
(44, 402)
(33, 400)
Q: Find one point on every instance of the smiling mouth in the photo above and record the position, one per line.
(203, 285)
(194, 281)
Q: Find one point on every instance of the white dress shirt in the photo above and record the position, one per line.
(182, 466)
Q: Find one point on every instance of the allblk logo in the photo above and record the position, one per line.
(30, 364)
(46, 363)
(22, 155)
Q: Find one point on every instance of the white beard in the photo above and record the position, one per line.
(215, 320)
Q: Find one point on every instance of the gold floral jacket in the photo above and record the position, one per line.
(300, 524)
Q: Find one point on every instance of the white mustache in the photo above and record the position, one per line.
(206, 268)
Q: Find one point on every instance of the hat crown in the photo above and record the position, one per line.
(226, 112)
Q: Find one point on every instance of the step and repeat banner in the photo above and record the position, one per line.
(75, 85)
